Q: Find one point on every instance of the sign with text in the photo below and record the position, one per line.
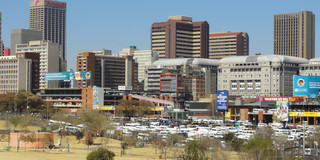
(282, 111)
(222, 100)
(275, 99)
(307, 86)
(59, 76)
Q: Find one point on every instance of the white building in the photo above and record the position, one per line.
(311, 69)
(264, 75)
(49, 59)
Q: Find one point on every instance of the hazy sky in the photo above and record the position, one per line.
(117, 24)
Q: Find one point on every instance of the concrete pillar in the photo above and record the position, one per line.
(124, 97)
(130, 97)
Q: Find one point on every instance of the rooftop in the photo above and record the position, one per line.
(263, 58)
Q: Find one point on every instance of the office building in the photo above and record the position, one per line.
(294, 34)
(22, 36)
(49, 59)
(98, 52)
(144, 58)
(108, 71)
(49, 17)
(1, 42)
(187, 68)
(225, 44)
(259, 75)
(310, 69)
(179, 37)
(19, 72)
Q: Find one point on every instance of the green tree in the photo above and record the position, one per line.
(133, 108)
(194, 150)
(94, 120)
(101, 154)
(237, 144)
(260, 148)
(228, 137)
(15, 121)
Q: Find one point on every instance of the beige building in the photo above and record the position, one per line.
(264, 75)
(294, 34)
(225, 44)
(15, 74)
(188, 68)
(311, 69)
(49, 16)
(49, 59)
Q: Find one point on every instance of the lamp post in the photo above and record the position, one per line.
(304, 141)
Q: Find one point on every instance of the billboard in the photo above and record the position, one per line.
(59, 76)
(282, 111)
(97, 97)
(55, 76)
(275, 99)
(306, 86)
(222, 100)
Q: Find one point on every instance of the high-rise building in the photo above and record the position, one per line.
(294, 34)
(20, 72)
(107, 71)
(1, 42)
(225, 44)
(179, 37)
(49, 17)
(22, 36)
(49, 58)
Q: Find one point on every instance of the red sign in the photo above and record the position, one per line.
(54, 3)
(275, 99)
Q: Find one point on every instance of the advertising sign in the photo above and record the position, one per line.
(222, 100)
(304, 114)
(282, 111)
(59, 76)
(55, 76)
(97, 97)
(275, 99)
(307, 86)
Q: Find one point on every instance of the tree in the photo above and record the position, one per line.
(101, 154)
(228, 137)
(79, 135)
(89, 138)
(22, 99)
(260, 148)
(28, 138)
(94, 120)
(15, 121)
(194, 150)
(133, 108)
(237, 144)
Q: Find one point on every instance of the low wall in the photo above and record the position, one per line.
(40, 139)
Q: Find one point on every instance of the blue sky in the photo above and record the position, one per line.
(117, 24)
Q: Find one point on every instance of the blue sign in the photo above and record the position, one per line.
(306, 86)
(222, 100)
(55, 76)
(59, 76)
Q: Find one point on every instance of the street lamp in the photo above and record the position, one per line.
(304, 141)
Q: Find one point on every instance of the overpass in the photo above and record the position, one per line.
(154, 100)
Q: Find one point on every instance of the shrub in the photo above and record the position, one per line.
(101, 154)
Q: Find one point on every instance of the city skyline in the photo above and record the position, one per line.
(119, 24)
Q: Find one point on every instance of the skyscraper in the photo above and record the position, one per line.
(49, 17)
(225, 44)
(294, 34)
(1, 42)
(179, 37)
